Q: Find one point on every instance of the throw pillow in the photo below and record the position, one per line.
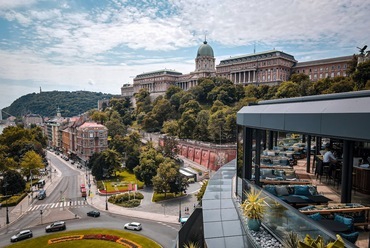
(270, 189)
(316, 216)
(301, 190)
(312, 190)
(281, 190)
(347, 221)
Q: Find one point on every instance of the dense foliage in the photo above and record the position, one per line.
(46, 103)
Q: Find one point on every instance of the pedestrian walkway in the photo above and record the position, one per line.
(69, 204)
(16, 212)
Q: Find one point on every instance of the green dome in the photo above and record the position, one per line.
(205, 50)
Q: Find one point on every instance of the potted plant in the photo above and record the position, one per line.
(254, 209)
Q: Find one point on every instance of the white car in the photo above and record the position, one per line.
(136, 226)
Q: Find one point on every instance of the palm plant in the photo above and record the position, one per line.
(253, 207)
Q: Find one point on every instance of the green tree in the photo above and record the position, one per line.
(340, 84)
(216, 126)
(115, 127)
(149, 163)
(167, 173)
(201, 128)
(288, 89)
(187, 124)
(170, 127)
(172, 90)
(362, 75)
(99, 117)
(169, 179)
(31, 163)
(143, 103)
(15, 183)
(170, 147)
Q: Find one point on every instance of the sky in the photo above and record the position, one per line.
(99, 45)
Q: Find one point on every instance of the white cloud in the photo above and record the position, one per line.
(11, 4)
(103, 47)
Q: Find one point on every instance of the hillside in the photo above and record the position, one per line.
(46, 103)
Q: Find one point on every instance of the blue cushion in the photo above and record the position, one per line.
(316, 216)
(347, 221)
(270, 189)
(281, 190)
(302, 197)
(351, 237)
(301, 190)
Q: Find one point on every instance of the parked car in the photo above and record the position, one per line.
(93, 213)
(72, 161)
(56, 226)
(24, 234)
(136, 226)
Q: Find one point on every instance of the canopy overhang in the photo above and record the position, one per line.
(343, 115)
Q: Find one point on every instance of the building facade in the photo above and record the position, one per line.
(268, 68)
(90, 138)
(324, 68)
(271, 68)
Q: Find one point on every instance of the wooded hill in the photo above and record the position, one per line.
(47, 103)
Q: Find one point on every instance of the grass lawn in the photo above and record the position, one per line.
(43, 241)
(121, 181)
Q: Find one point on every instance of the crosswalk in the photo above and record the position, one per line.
(65, 204)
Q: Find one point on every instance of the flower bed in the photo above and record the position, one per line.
(105, 237)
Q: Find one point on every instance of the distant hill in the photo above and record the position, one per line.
(46, 103)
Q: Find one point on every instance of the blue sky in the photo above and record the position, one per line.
(101, 45)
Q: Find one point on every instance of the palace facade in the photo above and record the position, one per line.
(269, 68)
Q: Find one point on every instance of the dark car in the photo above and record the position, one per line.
(93, 213)
(56, 226)
(24, 234)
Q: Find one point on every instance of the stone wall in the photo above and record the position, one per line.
(209, 155)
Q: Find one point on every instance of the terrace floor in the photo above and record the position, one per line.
(333, 192)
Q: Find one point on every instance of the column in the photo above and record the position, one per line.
(249, 76)
(244, 81)
(240, 77)
(347, 170)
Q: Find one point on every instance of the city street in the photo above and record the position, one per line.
(63, 202)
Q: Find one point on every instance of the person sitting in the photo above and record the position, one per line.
(329, 160)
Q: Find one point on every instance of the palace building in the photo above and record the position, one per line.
(268, 68)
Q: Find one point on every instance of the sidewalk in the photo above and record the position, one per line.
(19, 210)
(99, 202)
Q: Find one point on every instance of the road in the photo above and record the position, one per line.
(63, 197)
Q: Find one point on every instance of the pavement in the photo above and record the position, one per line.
(165, 211)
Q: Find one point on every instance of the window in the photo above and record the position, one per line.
(332, 74)
(320, 75)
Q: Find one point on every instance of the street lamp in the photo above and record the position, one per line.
(106, 197)
(5, 185)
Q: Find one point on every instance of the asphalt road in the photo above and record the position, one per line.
(65, 189)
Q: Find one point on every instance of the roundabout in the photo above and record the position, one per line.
(90, 238)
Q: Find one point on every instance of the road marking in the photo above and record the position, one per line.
(61, 205)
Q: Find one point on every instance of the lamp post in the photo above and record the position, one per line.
(5, 185)
(106, 197)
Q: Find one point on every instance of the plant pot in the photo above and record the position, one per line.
(254, 224)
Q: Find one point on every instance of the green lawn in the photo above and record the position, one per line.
(157, 197)
(43, 241)
(121, 181)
